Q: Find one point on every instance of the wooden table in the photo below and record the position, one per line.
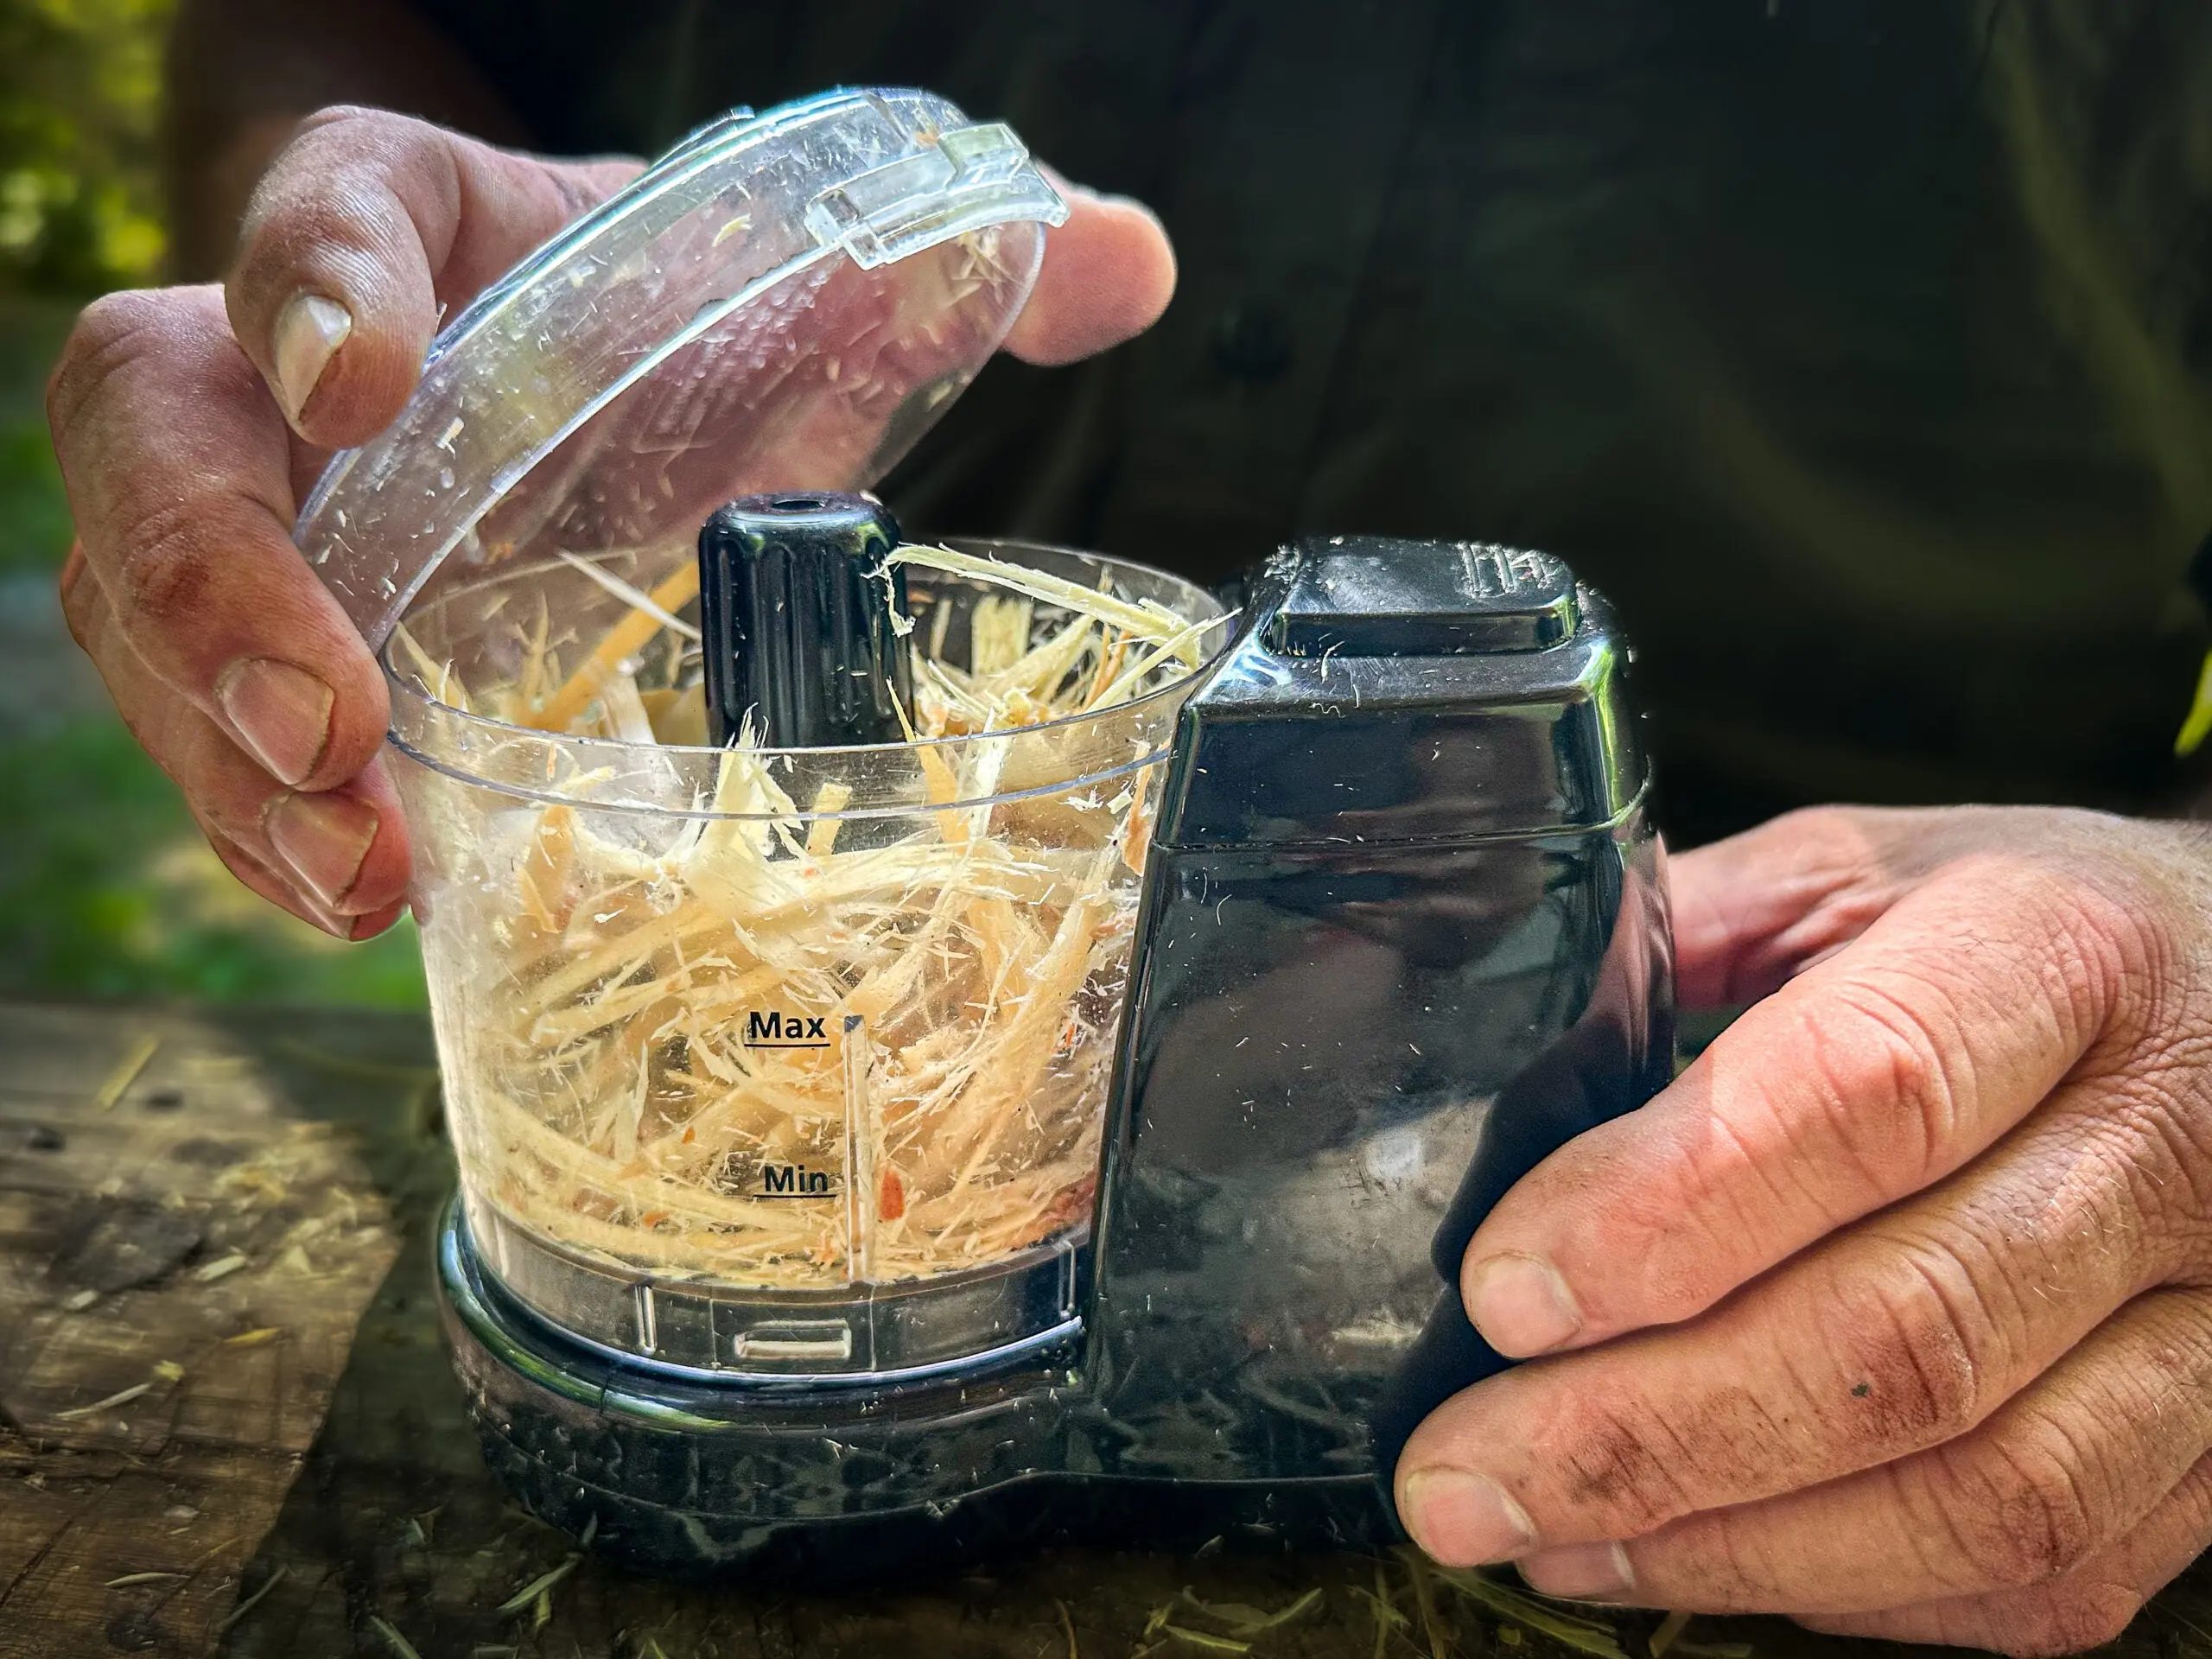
(227, 1426)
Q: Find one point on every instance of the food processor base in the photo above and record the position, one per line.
(827, 1486)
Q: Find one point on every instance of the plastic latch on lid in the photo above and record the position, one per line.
(892, 211)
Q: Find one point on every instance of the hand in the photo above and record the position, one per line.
(190, 422)
(1892, 1312)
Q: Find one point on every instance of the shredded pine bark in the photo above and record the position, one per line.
(648, 1051)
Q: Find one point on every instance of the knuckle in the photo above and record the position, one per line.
(1678, 1232)
(329, 193)
(574, 192)
(1882, 1075)
(1623, 1464)
(2157, 1159)
(2097, 946)
(2073, 1618)
(2020, 1515)
(1909, 1339)
(348, 118)
(1845, 853)
(344, 131)
(114, 330)
(1825, 827)
(168, 572)
(1835, 861)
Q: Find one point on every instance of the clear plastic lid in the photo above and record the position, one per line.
(787, 301)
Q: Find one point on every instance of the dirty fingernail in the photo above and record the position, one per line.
(309, 330)
(322, 839)
(1581, 1572)
(280, 712)
(1463, 1519)
(1521, 1304)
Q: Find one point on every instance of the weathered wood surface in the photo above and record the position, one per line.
(296, 1477)
(184, 1255)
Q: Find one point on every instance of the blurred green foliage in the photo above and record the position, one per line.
(107, 890)
(33, 518)
(80, 105)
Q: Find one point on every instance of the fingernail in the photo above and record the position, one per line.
(1581, 1572)
(1463, 1519)
(1521, 1304)
(280, 712)
(322, 839)
(309, 330)
(368, 927)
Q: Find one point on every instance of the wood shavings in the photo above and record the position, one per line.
(1243, 1621)
(822, 834)
(1191, 1638)
(1143, 620)
(253, 1600)
(1383, 1601)
(1598, 1641)
(1440, 1638)
(626, 639)
(399, 1644)
(1670, 1627)
(645, 603)
(126, 1072)
(537, 1588)
(437, 677)
(998, 632)
(222, 1268)
(122, 1397)
(678, 718)
(798, 1046)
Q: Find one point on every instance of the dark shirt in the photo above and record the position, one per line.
(1861, 350)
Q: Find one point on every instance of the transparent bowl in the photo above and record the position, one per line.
(765, 1023)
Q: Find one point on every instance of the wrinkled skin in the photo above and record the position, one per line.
(190, 422)
(1893, 1312)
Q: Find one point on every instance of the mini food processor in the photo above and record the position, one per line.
(952, 1047)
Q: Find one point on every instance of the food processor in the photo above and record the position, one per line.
(954, 1047)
